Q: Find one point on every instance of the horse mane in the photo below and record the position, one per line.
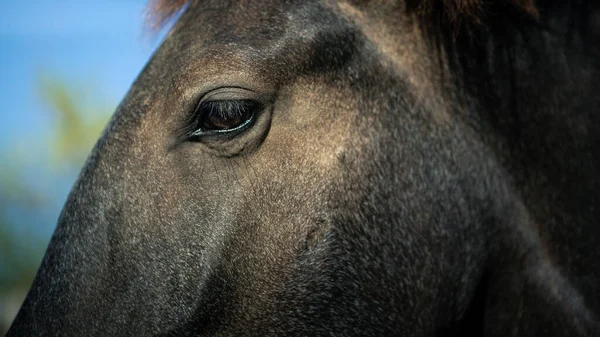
(456, 12)
(469, 12)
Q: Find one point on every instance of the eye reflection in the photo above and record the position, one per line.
(225, 116)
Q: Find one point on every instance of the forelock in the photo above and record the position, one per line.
(159, 12)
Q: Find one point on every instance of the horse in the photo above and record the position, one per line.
(341, 168)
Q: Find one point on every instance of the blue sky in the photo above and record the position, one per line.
(98, 47)
(101, 43)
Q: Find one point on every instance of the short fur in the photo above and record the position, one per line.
(399, 179)
(455, 11)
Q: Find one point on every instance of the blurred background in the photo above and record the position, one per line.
(64, 67)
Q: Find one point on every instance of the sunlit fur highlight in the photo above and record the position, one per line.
(159, 12)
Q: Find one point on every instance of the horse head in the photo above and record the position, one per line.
(340, 168)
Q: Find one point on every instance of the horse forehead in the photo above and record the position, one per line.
(257, 22)
(267, 38)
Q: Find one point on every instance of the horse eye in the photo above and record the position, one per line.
(225, 116)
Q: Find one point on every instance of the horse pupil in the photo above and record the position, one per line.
(225, 115)
(221, 122)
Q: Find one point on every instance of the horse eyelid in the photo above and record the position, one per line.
(221, 107)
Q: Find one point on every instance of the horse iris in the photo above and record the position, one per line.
(224, 116)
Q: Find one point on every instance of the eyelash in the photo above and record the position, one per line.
(241, 113)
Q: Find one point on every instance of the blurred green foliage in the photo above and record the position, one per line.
(77, 121)
(78, 125)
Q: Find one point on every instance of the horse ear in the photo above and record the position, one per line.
(477, 12)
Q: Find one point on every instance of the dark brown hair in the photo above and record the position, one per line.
(454, 12)
(469, 11)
